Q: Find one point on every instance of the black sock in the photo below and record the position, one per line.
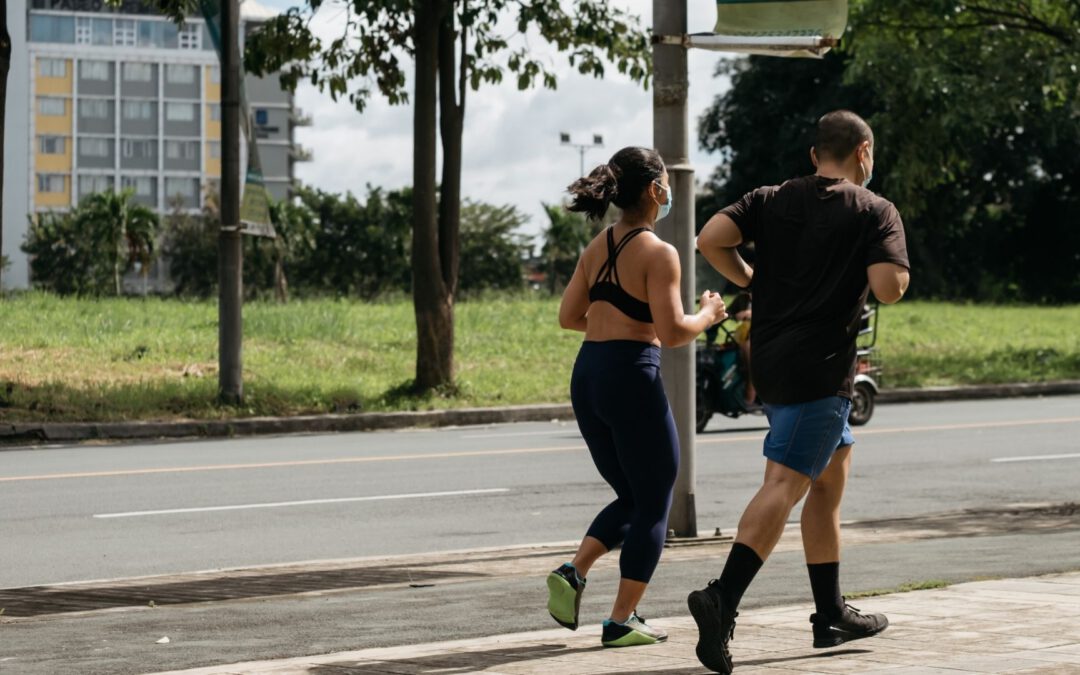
(739, 570)
(825, 583)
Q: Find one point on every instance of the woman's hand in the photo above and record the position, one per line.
(713, 303)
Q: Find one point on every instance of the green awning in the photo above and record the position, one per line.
(775, 27)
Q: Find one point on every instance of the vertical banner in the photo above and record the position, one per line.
(255, 205)
(775, 27)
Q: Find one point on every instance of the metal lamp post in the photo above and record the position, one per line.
(597, 142)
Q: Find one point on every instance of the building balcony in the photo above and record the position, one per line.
(299, 153)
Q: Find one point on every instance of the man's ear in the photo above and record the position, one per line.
(813, 156)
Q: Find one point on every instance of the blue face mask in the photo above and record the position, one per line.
(665, 208)
(869, 176)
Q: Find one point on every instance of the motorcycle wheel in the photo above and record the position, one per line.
(862, 405)
(703, 411)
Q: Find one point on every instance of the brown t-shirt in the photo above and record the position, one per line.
(813, 240)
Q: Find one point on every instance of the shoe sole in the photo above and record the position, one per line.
(839, 639)
(634, 639)
(560, 596)
(707, 618)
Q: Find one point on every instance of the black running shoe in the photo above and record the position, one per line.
(564, 595)
(851, 624)
(716, 627)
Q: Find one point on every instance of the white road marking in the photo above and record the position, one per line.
(306, 502)
(545, 432)
(1036, 458)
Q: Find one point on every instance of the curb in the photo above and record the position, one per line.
(261, 426)
(38, 432)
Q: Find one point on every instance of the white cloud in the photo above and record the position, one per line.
(511, 145)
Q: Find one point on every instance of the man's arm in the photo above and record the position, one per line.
(718, 243)
(888, 281)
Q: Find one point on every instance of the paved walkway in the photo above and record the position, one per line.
(1002, 626)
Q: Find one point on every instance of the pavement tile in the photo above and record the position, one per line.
(971, 628)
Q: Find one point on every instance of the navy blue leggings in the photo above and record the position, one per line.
(624, 416)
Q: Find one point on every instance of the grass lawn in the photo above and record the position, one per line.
(67, 359)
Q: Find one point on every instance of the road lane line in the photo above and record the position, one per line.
(305, 502)
(497, 453)
(546, 432)
(1036, 458)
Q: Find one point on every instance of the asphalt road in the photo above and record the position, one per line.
(96, 512)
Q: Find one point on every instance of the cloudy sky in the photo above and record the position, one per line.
(512, 151)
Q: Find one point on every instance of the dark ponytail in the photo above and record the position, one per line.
(621, 182)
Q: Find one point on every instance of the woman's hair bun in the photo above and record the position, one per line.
(621, 181)
(594, 193)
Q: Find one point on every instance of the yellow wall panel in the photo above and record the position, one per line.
(213, 127)
(58, 125)
(212, 89)
(55, 85)
(54, 163)
(54, 199)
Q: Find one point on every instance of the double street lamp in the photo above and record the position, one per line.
(597, 142)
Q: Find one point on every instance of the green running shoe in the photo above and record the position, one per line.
(564, 595)
(631, 633)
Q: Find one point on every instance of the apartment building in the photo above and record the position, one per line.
(124, 98)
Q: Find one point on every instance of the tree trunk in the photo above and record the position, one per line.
(5, 64)
(432, 301)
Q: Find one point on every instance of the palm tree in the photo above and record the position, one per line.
(121, 227)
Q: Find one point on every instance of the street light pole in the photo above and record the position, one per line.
(671, 137)
(230, 251)
(598, 142)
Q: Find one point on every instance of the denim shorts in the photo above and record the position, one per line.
(804, 436)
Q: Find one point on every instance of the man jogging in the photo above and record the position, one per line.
(821, 242)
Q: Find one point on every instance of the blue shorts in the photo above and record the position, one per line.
(804, 436)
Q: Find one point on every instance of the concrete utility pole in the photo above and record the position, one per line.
(671, 137)
(230, 251)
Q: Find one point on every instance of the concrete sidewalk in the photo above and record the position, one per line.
(1011, 625)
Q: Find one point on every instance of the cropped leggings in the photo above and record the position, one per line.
(624, 416)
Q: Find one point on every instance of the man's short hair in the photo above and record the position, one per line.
(839, 133)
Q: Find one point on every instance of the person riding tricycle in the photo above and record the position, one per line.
(723, 368)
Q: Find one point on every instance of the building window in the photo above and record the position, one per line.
(138, 149)
(124, 32)
(183, 187)
(180, 112)
(52, 182)
(91, 184)
(150, 34)
(214, 148)
(95, 70)
(52, 68)
(94, 147)
(53, 107)
(84, 33)
(51, 145)
(138, 72)
(94, 108)
(182, 149)
(49, 28)
(102, 32)
(215, 112)
(176, 73)
(138, 110)
(144, 186)
(190, 36)
(215, 75)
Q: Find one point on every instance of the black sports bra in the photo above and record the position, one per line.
(607, 286)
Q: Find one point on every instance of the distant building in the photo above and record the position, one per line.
(101, 98)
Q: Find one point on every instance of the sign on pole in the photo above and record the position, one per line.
(806, 28)
(255, 202)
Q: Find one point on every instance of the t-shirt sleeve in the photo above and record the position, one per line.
(745, 213)
(886, 243)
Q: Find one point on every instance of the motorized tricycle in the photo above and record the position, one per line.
(722, 374)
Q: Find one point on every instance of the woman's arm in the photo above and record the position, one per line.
(718, 243)
(575, 302)
(674, 327)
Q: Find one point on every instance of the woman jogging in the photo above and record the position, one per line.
(624, 295)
